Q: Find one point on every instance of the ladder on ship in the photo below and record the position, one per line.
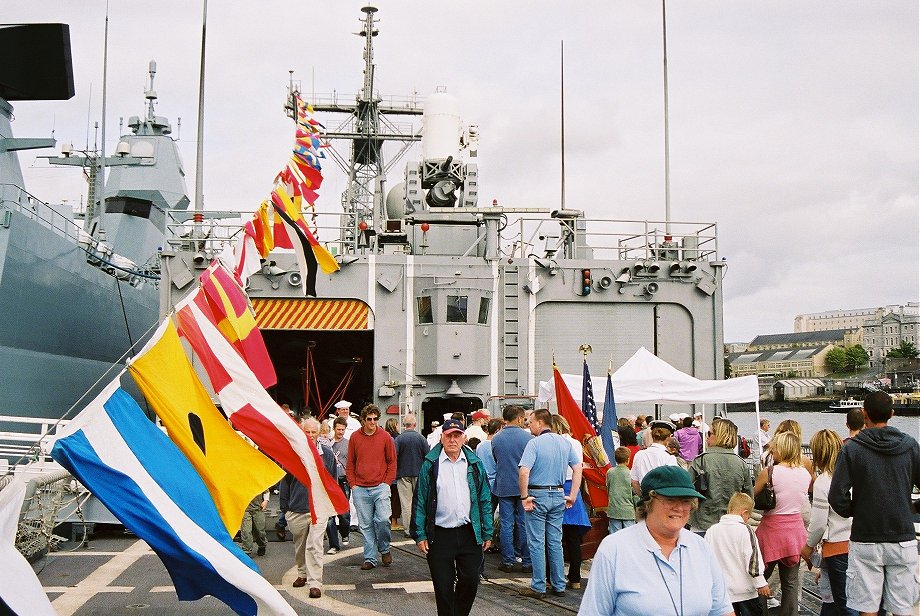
(510, 333)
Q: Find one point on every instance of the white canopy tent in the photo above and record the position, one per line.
(647, 378)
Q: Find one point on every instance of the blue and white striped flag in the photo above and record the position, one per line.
(146, 482)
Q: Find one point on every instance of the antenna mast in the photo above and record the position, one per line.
(562, 114)
(667, 147)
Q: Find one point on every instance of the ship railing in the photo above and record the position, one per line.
(25, 445)
(337, 100)
(16, 198)
(625, 240)
(526, 236)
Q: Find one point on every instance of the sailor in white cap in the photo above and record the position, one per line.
(435, 437)
(699, 423)
(342, 409)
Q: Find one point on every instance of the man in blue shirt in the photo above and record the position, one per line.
(452, 520)
(507, 447)
(541, 476)
(411, 449)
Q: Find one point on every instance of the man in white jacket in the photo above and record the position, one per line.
(735, 547)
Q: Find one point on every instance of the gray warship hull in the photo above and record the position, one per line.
(65, 321)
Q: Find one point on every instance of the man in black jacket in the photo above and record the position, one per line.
(881, 464)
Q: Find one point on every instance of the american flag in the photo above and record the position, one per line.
(588, 407)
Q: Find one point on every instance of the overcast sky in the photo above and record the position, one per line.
(794, 125)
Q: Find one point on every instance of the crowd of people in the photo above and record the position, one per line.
(690, 531)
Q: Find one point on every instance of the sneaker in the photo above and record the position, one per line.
(387, 559)
(772, 602)
(332, 551)
(557, 593)
(261, 550)
(506, 568)
(344, 540)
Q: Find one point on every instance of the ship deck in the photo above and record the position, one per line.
(115, 573)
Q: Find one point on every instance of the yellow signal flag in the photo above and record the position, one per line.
(233, 470)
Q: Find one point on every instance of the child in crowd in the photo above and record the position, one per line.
(735, 547)
(621, 500)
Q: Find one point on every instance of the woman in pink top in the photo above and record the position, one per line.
(782, 530)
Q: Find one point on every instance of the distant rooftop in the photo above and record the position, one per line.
(799, 337)
(776, 355)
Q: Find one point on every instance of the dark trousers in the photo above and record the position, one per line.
(836, 568)
(751, 607)
(571, 549)
(453, 554)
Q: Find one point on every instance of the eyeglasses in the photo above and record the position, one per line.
(675, 501)
(371, 418)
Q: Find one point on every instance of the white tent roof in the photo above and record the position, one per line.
(647, 378)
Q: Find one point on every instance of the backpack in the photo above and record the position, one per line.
(744, 449)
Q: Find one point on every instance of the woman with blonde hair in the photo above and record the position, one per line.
(575, 521)
(782, 530)
(726, 473)
(827, 528)
(787, 425)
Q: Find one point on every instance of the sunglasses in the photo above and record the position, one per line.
(371, 418)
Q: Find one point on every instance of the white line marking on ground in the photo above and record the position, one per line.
(410, 587)
(98, 581)
(64, 589)
(163, 589)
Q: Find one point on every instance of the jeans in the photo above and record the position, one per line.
(511, 514)
(339, 524)
(836, 568)
(454, 559)
(613, 525)
(544, 538)
(373, 508)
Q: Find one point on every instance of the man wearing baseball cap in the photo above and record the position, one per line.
(452, 519)
(658, 566)
(476, 430)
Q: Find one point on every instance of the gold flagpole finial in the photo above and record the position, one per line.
(585, 350)
(610, 365)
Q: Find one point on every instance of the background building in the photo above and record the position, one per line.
(766, 342)
(885, 331)
(848, 319)
(799, 361)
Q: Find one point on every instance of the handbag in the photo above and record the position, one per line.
(766, 499)
(701, 481)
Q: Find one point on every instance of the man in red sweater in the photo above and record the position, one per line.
(370, 469)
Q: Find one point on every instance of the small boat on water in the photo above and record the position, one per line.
(844, 406)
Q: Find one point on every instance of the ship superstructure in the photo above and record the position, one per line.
(76, 294)
(444, 303)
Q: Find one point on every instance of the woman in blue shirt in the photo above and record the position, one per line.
(657, 566)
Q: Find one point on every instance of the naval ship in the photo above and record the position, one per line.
(76, 295)
(444, 303)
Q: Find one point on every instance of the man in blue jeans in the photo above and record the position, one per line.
(507, 447)
(541, 477)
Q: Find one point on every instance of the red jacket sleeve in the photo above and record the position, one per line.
(350, 463)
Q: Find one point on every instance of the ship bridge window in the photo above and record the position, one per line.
(456, 308)
(484, 310)
(425, 312)
(127, 205)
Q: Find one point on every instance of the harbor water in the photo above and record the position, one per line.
(811, 422)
